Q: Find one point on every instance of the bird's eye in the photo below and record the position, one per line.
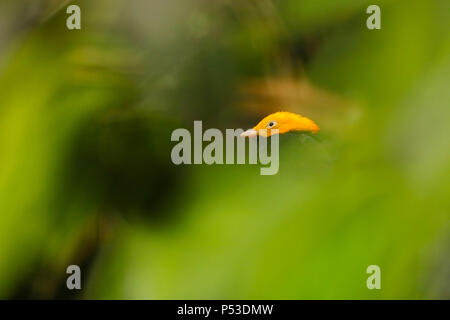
(271, 124)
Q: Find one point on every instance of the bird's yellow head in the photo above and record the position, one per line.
(283, 122)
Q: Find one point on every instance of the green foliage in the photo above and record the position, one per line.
(86, 176)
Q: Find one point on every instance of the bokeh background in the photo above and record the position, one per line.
(85, 170)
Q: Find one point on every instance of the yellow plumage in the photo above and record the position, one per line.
(284, 122)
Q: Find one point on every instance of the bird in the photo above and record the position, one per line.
(283, 122)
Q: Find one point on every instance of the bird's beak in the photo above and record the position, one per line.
(249, 133)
